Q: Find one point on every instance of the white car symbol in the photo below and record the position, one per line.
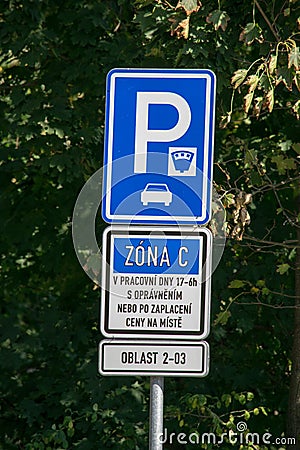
(156, 193)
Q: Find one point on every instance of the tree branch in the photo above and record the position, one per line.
(267, 20)
(285, 244)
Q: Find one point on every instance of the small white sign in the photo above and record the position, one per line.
(173, 358)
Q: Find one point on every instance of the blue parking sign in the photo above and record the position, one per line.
(158, 150)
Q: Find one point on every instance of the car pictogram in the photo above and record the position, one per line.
(156, 193)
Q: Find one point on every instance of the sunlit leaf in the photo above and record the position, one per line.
(294, 58)
(181, 29)
(219, 19)
(269, 100)
(250, 33)
(189, 6)
(247, 101)
(252, 82)
(227, 399)
(283, 268)
(272, 63)
(236, 284)
(238, 77)
(258, 103)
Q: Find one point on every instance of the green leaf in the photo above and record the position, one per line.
(94, 418)
(227, 399)
(285, 145)
(242, 399)
(252, 82)
(250, 33)
(285, 76)
(258, 103)
(265, 82)
(256, 179)
(223, 317)
(59, 133)
(247, 101)
(250, 396)
(272, 63)
(202, 400)
(250, 158)
(189, 6)
(229, 200)
(294, 58)
(263, 410)
(247, 415)
(238, 77)
(219, 19)
(296, 147)
(265, 291)
(269, 100)
(181, 29)
(236, 284)
(283, 164)
(198, 400)
(283, 268)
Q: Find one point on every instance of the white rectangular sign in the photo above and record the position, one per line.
(156, 282)
(173, 358)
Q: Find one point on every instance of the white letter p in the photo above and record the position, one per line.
(142, 133)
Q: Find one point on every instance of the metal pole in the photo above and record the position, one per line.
(156, 413)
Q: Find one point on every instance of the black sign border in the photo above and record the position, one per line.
(205, 304)
(150, 372)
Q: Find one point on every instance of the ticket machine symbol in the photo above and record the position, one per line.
(182, 160)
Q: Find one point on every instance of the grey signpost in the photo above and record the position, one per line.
(156, 412)
(157, 188)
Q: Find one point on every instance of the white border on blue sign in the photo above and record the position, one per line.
(208, 147)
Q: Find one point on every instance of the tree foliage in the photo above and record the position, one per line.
(54, 57)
